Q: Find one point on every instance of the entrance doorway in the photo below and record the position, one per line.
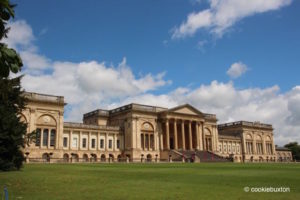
(171, 143)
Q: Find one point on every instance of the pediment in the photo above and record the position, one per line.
(187, 110)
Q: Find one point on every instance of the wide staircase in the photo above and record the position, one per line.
(197, 156)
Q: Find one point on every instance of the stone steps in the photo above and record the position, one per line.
(198, 156)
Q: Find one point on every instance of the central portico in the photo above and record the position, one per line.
(186, 128)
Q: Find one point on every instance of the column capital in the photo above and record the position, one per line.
(165, 120)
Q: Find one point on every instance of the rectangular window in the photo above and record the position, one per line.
(65, 142)
(52, 138)
(147, 141)
(220, 147)
(118, 144)
(110, 144)
(151, 141)
(142, 141)
(101, 143)
(84, 143)
(93, 143)
(38, 137)
(45, 137)
(74, 142)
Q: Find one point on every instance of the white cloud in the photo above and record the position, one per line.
(193, 23)
(237, 69)
(266, 105)
(20, 35)
(35, 61)
(90, 85)
(223, 14)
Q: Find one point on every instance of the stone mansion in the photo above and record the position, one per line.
(142, 133)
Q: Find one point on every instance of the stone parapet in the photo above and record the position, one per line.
(87, 126)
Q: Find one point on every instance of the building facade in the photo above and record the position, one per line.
(141, 133)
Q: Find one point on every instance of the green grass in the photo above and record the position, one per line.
(150, 181)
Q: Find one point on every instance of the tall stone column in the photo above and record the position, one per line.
(114, 142)
(41, 138)
(98, 140)
(106, 142)
(254, 145)
(244, 145)
(200, 136)
(190, 136)
(49, 134)
(273, 146)
(197, 135)
(175, 135)
(182, 135)
(144, 141)
(155, 140)
(48, 139)
(264, 145)
(70, 139)
(167, 134)
(213, 139)
(203, 137)
(80, 140)
(161, 140)
(149, 141)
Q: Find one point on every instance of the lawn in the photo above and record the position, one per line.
(150, 181)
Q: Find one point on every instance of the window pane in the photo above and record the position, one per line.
(84, 142)
(52, 138)
(65, 142)
(74, 142)
(45, 137)
(101, 143)
(142, 141)
(93, 143)
(118, 144)
(110, 144)
(38, 137)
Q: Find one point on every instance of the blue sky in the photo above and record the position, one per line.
(237, 59)
(268, 43)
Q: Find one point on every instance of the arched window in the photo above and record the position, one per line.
(147, 136)
(46, 131)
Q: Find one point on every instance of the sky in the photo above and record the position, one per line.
(237, 59)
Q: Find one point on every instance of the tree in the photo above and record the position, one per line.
(12, 130)
(295, 149)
